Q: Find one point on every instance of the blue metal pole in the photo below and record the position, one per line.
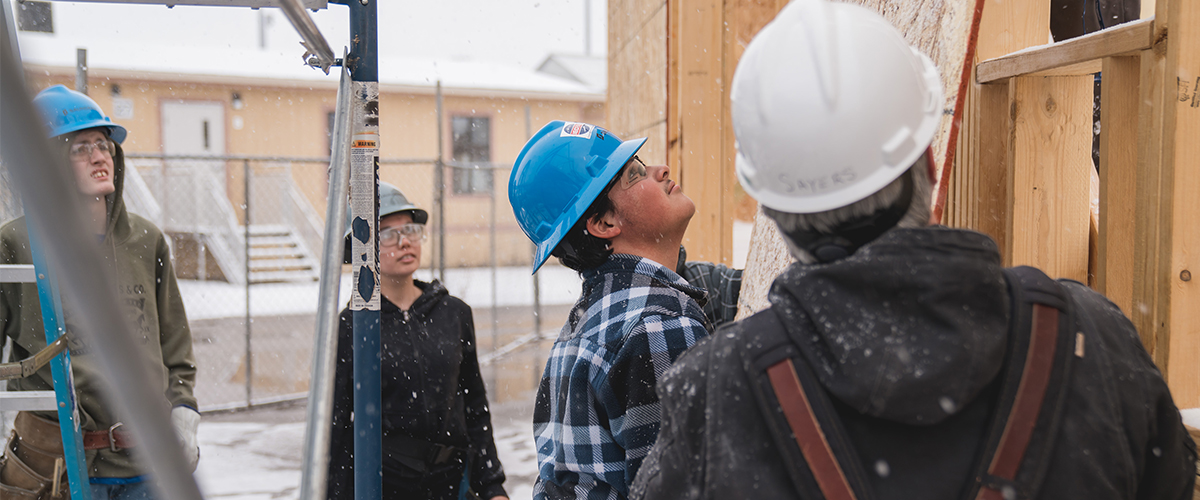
(363, 60)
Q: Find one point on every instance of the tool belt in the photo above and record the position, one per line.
(114, 439)
(421, 457)
(33, 467)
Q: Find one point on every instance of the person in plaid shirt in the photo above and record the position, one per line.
(581, 195)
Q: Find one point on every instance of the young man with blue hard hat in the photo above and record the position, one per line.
(582, 195)
(138, 254)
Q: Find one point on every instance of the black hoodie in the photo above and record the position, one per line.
(907, 337)
(431, 390)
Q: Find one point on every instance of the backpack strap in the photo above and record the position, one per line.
(819, 458)
(1028, 412)
(807, 431)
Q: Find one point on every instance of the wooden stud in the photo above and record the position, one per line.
(993, 192)
(697, 130)
(1118, 179)
(1051, 160)
(1178, 311)
(1147, 237)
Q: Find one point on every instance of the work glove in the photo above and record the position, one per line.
(186, 421)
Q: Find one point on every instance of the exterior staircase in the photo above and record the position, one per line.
(278, 255)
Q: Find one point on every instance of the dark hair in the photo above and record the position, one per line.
(579, 250)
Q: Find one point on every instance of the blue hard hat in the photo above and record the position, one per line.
(391, 201)
(64, 111)
(558, 175)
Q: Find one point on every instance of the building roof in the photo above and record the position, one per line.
(591, 71)
(232, 56)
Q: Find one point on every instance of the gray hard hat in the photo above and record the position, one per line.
(391, 201)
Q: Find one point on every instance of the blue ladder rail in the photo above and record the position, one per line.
(60, 369)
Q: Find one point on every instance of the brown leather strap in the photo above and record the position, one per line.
(808, 433)
(100, 440)
(43, 433)
(1035, 378)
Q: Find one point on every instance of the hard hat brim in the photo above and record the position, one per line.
(621, 154)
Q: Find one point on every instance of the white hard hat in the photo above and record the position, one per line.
(830, 104)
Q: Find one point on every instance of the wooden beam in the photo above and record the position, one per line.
(1076, 54)
(1178, 312)
(994, 190)
(1051, 156)
(1118, 179)
(1146, 220)
(743, 20)
(696, 127)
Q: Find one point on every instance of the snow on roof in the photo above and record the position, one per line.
(222, 45)
(591, 71)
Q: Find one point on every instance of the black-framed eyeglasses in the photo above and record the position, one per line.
(414, 233)
(85, 149)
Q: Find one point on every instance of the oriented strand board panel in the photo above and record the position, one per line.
(941, 29)
(637, 71)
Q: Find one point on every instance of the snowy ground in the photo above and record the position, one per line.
(256, 455)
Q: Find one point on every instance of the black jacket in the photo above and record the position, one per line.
(431, 387)
(907, 337)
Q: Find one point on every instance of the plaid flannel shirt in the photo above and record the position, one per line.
(597, 413)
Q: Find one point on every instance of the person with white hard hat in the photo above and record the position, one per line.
(897, 359)
(437, 429)
(582, 195)
(138, 254)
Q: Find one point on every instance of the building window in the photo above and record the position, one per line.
(472, 146)
(35, 16)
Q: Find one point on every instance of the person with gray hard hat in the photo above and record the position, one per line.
(897, 359)
(437, 430)
(137, 253)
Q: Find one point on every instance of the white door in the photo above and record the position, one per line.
(193, 128)
(193, 192)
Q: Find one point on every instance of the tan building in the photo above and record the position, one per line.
(282, 120)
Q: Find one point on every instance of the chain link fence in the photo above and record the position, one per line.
(246, 233)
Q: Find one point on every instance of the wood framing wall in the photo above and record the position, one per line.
(1018, 173)
(670, 65)
(705, 40)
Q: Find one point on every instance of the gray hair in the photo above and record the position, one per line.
(918, 214)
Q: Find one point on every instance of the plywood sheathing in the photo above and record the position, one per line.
(637, 72)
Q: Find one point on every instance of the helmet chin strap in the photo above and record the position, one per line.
(847, 237)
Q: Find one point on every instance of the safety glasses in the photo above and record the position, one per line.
(414, 233)
(84, 149)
